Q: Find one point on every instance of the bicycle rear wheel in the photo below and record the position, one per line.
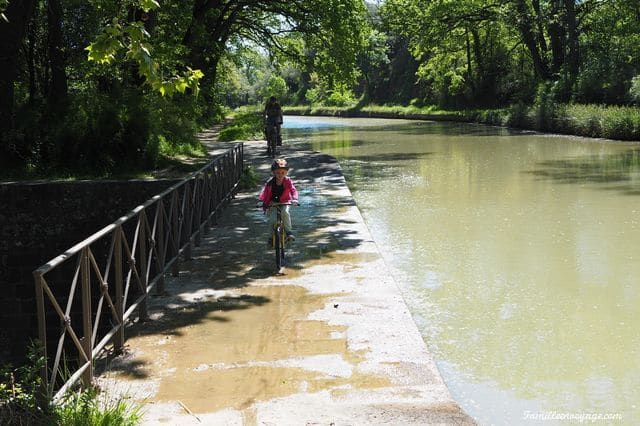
(272, 140)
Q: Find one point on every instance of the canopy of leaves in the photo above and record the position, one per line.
(477, 50)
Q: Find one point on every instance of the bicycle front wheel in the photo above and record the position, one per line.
(279, 249)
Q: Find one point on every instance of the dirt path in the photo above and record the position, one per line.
(329, 342)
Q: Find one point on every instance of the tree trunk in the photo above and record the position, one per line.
(58, 91)
(197, 18)
(468, 52)
(12, 34)
(478, 53)
(539, 27)
(30, 60)
(525, 26)
(573, 53)
(556, 37)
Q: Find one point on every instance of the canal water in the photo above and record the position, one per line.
(518, 254)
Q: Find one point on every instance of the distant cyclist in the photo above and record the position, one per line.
(280, 189)
(273, 116)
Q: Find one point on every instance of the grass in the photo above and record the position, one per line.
(599, 121)
(90, 408)
(246, 124)
(22, 401)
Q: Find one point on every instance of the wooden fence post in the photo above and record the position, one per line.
(175, 231)
(87, 344)
(143, 312)
(187, 219)
(118, 342)
(42, 328)
(160, 238)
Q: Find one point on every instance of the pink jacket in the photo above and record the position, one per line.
(289, 194)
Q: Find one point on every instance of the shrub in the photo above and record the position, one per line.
(621, 123)
(173, 128)
(584, 120)
(634, 91)
(245, 125)
(520, 116)
(341, 98)
(313, 95)
(21, 399)
(545, 106)
(249, 179)
(235, 132)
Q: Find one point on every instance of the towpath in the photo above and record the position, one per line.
(329, 342)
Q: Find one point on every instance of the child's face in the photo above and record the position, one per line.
(280, 174)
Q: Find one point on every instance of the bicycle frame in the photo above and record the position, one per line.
(278, 237)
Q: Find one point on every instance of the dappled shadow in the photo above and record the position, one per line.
(234, 254)
(598, 169)
(124, 363)
(370, 165)
(198, 312)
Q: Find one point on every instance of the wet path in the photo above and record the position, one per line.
(329, 342)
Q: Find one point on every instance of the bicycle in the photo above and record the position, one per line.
(271, 134)
(279, 237)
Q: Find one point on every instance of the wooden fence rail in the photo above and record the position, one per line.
(121, 264)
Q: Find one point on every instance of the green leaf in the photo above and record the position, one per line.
(104, 49)
(146, 5)
(181, 85)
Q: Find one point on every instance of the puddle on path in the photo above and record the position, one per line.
(341, 258)
(344, 262)
(253, 345)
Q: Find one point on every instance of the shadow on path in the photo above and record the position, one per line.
(234, 254)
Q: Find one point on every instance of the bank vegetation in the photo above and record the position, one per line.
(102, 87)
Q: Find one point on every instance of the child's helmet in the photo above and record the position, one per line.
(280, 163)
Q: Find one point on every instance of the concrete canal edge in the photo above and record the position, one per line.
(330, 342)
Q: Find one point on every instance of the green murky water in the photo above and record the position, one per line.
(517, 253)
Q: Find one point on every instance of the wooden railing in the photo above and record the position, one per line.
(88, 293)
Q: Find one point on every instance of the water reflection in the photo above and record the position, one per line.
(518, 256)
(597, 168)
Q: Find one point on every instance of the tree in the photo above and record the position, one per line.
(12, 33)
(526, 18)
(58, 92)
(461, 45)
(135, 50)
(373, 57)
(472, 51)
(609, 58)
(332, 29)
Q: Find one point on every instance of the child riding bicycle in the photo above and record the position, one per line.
(280, 189)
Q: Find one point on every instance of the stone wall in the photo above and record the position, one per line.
(39, 221)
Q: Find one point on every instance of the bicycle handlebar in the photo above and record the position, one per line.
(260, 204)
(290, 203)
